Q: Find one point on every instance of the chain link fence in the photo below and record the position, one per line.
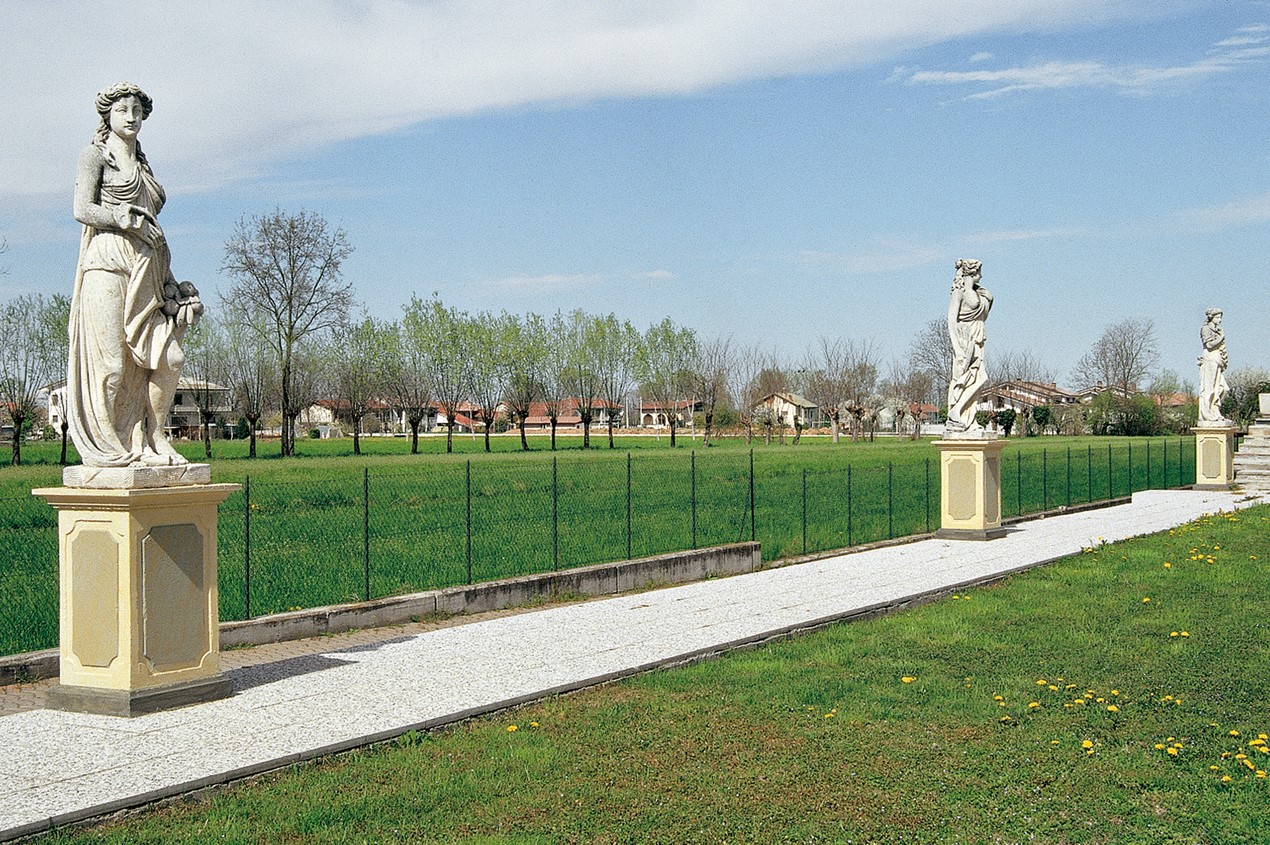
(369, 533)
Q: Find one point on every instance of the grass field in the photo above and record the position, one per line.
(327, 527)
(1058, 707)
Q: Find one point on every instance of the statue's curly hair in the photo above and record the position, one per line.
(1211, 313)
(107, 98)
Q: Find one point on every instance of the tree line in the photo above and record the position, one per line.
(287, 334)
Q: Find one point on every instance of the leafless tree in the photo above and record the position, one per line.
(554, 372)
(205, 365)
(288, 266)
(905, 389)
(526, 340)
(28, 360)
(860, 380)
(487, 343)
(1017, 365)
(249, 375)
(56, 316)
(932, 352)
(827, 365)
(407, 381)
(1122, 357)
(745, 385)
(709, 379)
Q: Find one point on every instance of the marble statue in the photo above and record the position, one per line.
(968, 308)
(1212, 370)
(128, 313)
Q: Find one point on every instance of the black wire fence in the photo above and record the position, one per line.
(287, 545)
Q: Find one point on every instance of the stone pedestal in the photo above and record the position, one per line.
(139, 618)
(970, 489)
(1214, 457)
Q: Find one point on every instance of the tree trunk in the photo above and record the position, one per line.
(672, 432)
(611, 446)
(251, 425)
(207, 433)
(524, 441)
(414, 434)
(65, 428)
(449, 434)
(705, 436)
(833, 427)
(288, 418)
(586, 432)
(553, 434)
(357, 437)
(18, 419)
(489, 423)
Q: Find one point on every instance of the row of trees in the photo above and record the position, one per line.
(285, 335)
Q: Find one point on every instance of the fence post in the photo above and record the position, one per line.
(469, 520)
(1165, 471)
(366, 532)
(1018, 482)
(804, 510)
(555, 515)
(1045, 479)
(753, 535)
(1130, 467)
(1109, 491)
(247, 547)
(928, 495)
(693, 472)
(849, 540)
(1069, 476)
(1148, 487)
(890, 504)
(1089, 473)
(628, 505)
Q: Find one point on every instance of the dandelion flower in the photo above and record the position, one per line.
(1168, 565)
(1115, 692)
(1214, 768)
(533, 724)
(1032, 705)
(1233, 733)
(1005, 719)
(1172, 633)
(829, 715)
(1159, 746)
(511, 729)
(1146, 599)
(1053, 742)
(907, 679)
(1111, 708)
(1225, 778)
(1172, 751)
(997, 698)
(1040, 682)
(1186, 633)
(1087, 744)
(1260, 773)
(1053, 688)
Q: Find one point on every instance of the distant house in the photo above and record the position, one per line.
(787, 409)
(185, 419)
(1088, 394)
(1024, 396)
(655, 414)
(331, 417)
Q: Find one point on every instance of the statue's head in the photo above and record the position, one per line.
(1212, 314)
(116, 92)
(967, 268)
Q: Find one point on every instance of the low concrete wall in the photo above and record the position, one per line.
(601, 579)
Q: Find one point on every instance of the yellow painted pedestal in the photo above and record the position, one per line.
(139, 619)
(1214, 457)
(970, 489)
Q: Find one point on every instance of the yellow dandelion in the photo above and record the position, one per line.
(1146, 599)
(1115, 692)
(1087, 744)
(1101, 700)
(907, 679)
(1159, 746)
(1172, 751)
(1053, 742)
(1079, 701)
(1260, 773)
(1214, 768)
(1225, 778)
(1186, 633)
(829, 715)
(1233, 733)
(1168, 565)
(1005, 719)
(533, 724)
(1111, 708)
(1053, 688)
(511, 729)
(997, 698)
(1032, 705)
(1040, 682)
(1249, 765)
(1172, 633)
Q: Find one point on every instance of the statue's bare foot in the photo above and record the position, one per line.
(150, 459)
(163, 449)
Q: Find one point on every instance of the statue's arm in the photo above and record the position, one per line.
(954, 311)
(88, 208)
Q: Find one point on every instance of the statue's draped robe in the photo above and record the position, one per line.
(1212, 376)
(118, 334)
(968, 377)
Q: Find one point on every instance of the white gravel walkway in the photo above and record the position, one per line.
(60, 767)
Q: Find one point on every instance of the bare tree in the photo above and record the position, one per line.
(554, 363)
(288, 266)
(28, 360)
(407, 381)
(932, 352)
(582, 341)
(1124, 356)
(205, 364)
(860, 382)
(57, 316)
(526, 341)
(1017, 365)
(827, 365)
(745, 385)
(249, 376)
(311, 377)
(710, 379)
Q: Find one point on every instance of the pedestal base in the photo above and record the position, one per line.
(970, 489)
(129, 703)
(138, 601)
(1214, 457)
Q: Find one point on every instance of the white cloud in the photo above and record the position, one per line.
(1242, 212)
(240, 84)
(1224, 57)
(980, 57)
(658, 276)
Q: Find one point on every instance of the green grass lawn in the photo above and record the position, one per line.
(1059, 706)
(541, 510)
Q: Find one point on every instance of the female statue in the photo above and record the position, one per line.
(1212, 369)
(968, 308)
(128, 313)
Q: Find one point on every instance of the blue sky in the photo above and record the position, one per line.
(773, 171)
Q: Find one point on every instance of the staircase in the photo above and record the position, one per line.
(1252, 461)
